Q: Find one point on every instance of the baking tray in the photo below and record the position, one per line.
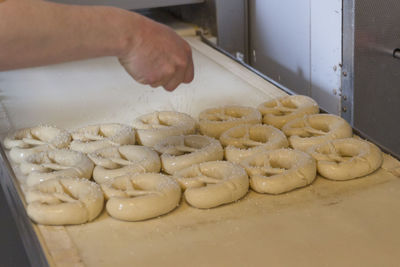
(353, 223)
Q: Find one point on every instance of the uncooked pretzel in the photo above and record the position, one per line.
(19, 155)
(278, 112)
(344, 159)
(316, 129)
(112, 162)
(37, 136)
(141, 196)
(63, 201)
(279, 171)
(214, 121)
(244, 140)
(214, 183)
(94, 137)
(179, 152)
(50, 164)
(154, 127)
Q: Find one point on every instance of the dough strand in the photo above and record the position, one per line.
(316, 129)
(278, 112)
(112, 162)
(64, 201)
(141, 196)
(179, 152)
(279, 171)
(214, 121)
(345, 159)
(213, 183)
(154, 127)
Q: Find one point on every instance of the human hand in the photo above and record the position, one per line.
(157, 56)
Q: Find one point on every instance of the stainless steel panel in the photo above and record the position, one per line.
(232, 27)
(280, 41)
(376, 91)
(299, 44)
(131, 4)
(348, 61)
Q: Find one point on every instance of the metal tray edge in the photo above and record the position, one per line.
(33, 248)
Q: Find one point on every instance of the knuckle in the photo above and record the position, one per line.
(181, 63)
(170, 70)
(152, 80)
(154, 85)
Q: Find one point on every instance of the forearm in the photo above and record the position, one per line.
(35, 32)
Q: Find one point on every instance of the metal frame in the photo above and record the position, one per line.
(244, 64)
(233, 27)
(129, 4)
(347, 94)
(367, 60)
(33, 248)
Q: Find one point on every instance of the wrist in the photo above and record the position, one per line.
(129, 28)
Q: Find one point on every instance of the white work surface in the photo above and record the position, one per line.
(354, 223)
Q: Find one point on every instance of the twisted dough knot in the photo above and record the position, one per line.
(112, 162)
(214, 183)
(37, 136)
(344, 159)
(28, 141)
(316, 129)
(213, 122)
(279, 171)
(56, 163)
(244, 140)
(62, 201)
(141, 196)
(179, 152)
(154, 127)
(278, 112)
(94, 137)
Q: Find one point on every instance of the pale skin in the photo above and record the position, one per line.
(36, 33)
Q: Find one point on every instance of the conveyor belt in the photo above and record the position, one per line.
(340, 223)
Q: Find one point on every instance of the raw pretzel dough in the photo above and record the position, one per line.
(63, 201)
(279, 171)
(244, 140)
(214, 183)
(141, 196)
(112, 162)
(19, 155)
(278, 112)
(154, 127)
(214, 121)
(94, 137)
(56, 163)
(179, 152)
(344, 159)
(316, 129)
(28, 141)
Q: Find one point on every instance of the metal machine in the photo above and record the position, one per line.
(344, 54)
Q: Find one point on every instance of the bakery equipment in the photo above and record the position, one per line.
(344, 54)
(312, 223)
(307, 223)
